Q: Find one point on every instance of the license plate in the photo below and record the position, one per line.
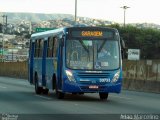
(93, 87)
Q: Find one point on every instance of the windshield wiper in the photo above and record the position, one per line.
(84, 46)
(100, 48)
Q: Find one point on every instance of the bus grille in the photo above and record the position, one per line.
(93, 75)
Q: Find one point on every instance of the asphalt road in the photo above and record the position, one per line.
(17, 96)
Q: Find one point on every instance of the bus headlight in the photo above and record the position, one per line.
(116, 77)
(70, 75)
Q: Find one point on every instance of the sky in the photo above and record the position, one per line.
(140, 11)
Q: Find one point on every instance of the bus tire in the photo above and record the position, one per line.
(38, 90)
(54, 82)
(45, 91)
(60, 95)
(81, 93)
(103, 96)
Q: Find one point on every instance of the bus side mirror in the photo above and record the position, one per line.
(123, 46)
(62, 40)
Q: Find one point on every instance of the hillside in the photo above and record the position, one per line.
(14, 18)
(35, 17)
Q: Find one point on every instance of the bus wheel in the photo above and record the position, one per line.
(38, 89)
(81, 93)
(103, 96)
(54, 82)
(45, 91)
(60, 95)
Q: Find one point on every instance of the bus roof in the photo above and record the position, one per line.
(47, 32)
(62, 30)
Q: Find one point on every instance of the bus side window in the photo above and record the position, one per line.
(50, 47)
(55, 47)
(40, 48)
(36, 48)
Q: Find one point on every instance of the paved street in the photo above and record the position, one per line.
(17, 97)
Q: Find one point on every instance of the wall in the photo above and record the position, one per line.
(141, 75)
(14, 69)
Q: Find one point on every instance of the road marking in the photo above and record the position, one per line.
(3, 87)
(121, 97)
(43, 97)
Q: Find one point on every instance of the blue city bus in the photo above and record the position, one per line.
(76, 60)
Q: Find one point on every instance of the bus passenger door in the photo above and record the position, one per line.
(31, 61)
(60, 63)
(44, 63)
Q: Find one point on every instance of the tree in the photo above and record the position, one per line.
(145, 39)
(0, 28)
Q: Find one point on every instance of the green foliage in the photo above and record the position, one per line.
(145, 39)
(0, 28)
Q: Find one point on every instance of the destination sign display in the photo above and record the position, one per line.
(92, 34)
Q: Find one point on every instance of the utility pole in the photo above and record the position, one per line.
(75, 12)
(125, 8)
(30, 28)
(4, 28)
(4, 22)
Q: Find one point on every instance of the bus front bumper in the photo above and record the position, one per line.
(73, 87)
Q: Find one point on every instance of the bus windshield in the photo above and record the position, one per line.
(92, 54)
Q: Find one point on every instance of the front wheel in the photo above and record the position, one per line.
(103, 96)
(59, 94)
(45, 91)
(38, 90)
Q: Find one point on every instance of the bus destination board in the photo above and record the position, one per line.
(92, 34)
